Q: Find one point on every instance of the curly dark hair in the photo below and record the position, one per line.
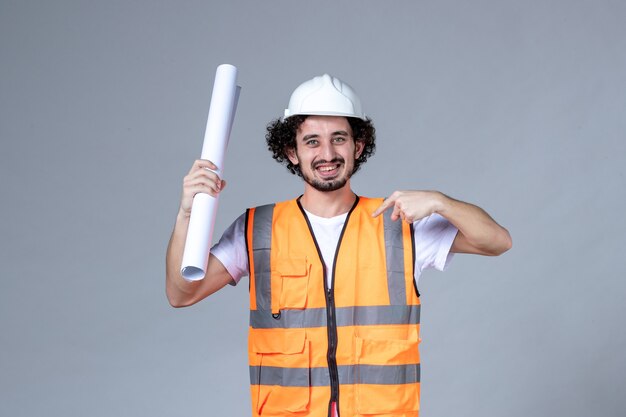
(281, 135)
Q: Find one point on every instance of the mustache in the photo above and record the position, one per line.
(337, 160)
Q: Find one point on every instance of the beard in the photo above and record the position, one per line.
(331, 185)
(327, 185)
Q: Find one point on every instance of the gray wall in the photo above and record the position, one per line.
(518, 107)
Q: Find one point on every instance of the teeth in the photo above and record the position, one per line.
(326, 169)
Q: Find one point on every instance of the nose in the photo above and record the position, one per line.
(327, 151)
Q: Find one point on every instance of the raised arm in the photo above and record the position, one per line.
(478, 232)
(181, 293)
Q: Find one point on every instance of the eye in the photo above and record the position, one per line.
(311, 142)
(339, 139)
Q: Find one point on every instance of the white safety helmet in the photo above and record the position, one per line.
(324, 96)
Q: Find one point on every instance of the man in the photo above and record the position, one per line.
(334, 302)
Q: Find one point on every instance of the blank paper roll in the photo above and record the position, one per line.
(204, 208)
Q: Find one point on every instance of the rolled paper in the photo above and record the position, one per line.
(204, 208)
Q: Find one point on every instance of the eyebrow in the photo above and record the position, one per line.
(315, 135)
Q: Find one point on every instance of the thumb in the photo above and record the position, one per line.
(397, 213)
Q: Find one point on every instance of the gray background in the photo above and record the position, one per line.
(516, 106)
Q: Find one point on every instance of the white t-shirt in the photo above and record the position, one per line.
(433, 239)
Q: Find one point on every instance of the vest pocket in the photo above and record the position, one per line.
(284, 374)
(290, 284)
(387, 376)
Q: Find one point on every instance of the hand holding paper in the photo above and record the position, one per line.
(200, 179)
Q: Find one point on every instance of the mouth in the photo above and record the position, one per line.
(328, 170)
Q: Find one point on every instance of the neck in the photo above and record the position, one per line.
(328, 203)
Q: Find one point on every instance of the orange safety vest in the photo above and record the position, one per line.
(356, 343)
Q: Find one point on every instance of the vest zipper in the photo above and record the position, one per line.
(332, 347)
(331, 322)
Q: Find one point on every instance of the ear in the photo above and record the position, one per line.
(291, 154)
(359, 145)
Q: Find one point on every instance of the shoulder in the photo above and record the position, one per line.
(269, 210)
(370, 202)
(293, 201)
(260, 219)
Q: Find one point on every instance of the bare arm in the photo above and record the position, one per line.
(181, 293)
(478, 232)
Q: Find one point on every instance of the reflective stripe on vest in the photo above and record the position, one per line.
(376, 312)
(346, 316)
(348, 374)
(261, 244)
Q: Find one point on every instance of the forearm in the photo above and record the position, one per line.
(179, 291)
(475, 225)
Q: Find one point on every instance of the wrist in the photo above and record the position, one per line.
(183, 216)
(441, 202)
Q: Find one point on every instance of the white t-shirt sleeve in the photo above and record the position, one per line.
(231, 250)
(434, 236)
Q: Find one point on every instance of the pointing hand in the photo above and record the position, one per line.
(410, 205)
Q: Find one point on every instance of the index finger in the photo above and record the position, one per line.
(202, 163)
(384, 206)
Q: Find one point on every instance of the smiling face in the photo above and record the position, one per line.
(325, 151)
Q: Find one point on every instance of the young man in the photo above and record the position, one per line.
(334, 302)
